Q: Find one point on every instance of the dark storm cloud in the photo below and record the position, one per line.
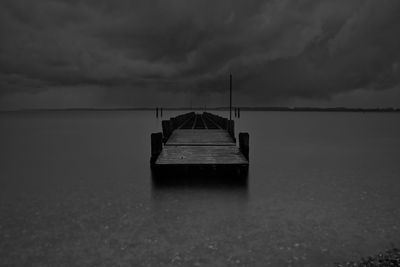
(276, 49)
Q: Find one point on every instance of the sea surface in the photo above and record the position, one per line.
(76, 190)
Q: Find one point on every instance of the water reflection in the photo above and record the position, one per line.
(196, 190)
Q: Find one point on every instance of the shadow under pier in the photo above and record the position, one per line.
(201, 177)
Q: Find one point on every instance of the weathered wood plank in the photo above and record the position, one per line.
(200, 137)
(201, 155)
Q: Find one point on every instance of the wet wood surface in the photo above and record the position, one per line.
(198, 155)
(192, 137)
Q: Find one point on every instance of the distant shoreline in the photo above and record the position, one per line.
(286, 109)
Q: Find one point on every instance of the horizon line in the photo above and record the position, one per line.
(216, 108)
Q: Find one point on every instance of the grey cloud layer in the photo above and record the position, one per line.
(276, 49)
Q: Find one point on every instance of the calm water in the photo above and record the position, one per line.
(76, 189)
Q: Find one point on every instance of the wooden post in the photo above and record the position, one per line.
(230, 96)
(161, 111)
(244, 144)
(166, 128)
(157, 112)
(156, 147)
(224, 123)
(238, 110)
(173, 124)
(235, 112)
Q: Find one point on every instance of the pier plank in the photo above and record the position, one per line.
(200, 137)
(201, 155)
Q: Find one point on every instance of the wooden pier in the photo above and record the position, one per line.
(199, 144)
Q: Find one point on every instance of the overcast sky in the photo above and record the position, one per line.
(97, 53)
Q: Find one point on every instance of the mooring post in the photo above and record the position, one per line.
(166, 129)
(173, 124)
(238, 110)
(244, 144)
(161, 111)
(230, 96)
(157, 112)
(156, 147)
(235, 112)
(224, 123)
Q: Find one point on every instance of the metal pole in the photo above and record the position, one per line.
(230, 96)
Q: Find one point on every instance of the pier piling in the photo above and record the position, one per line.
(167, 128)
(244, 144)
(156, 147)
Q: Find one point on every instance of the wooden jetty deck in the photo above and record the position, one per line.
(199, 142)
